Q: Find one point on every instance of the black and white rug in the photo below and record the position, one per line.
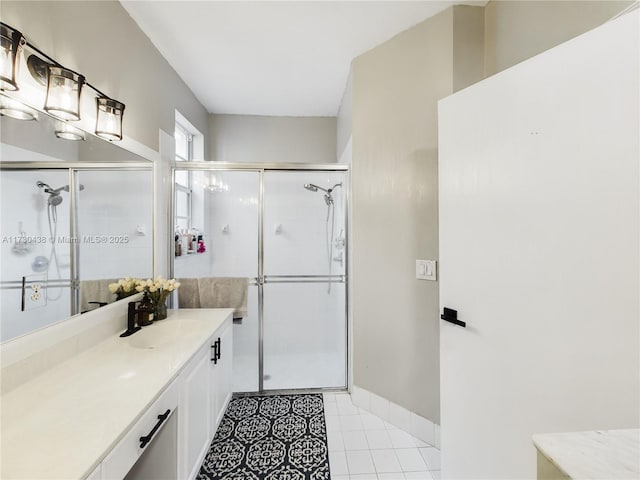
(282, 437)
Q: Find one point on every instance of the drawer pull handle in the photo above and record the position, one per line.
(144, 441)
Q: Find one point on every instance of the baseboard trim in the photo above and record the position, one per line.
(404, 419)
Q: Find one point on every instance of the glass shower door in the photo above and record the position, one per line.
(304, 315)
(35, 247)
(225, 209)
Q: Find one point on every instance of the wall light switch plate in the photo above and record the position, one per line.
(426, 269)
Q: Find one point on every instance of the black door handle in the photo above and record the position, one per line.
(147, 438)
(214, 357)
(450, 315)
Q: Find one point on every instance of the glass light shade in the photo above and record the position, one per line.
(15, 109)
(63, 93)
(109, 118)
(68, 132)
(11, 42)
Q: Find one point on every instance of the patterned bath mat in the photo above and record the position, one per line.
(282, 437)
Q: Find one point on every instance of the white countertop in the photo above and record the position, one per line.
(61, 424)
(605, 454)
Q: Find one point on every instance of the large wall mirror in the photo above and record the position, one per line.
(75, 215)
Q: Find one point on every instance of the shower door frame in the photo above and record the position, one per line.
(73, 169)
(259, 281)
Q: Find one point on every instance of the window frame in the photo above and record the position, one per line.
(180, 188)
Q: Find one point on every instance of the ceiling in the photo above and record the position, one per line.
(273, 58)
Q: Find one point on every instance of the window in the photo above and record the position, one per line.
(184, 188)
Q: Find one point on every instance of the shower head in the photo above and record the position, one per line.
(328, 198)
(55, 199)
(314, 188)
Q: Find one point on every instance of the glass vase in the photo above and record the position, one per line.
(160, 310)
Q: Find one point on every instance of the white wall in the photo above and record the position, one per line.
(258, 139)
(539, 235)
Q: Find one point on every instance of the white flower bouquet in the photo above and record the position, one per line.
(158, 290)
(125, 287)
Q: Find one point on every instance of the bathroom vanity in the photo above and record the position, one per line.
(145, 406)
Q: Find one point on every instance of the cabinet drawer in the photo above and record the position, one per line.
(126, 453)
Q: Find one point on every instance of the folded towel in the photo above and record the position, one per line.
(188, 296)
(224, 293)
(95, 291)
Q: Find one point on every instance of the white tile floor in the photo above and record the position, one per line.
(364, 447)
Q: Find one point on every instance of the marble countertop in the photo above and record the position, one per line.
(605, 454)
(61, 424)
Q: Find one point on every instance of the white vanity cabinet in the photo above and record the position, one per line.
(194, 413)
(221, 373)
(144, 407)
(199, 396)
(206, 389)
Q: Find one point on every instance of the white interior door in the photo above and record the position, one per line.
(539, 236)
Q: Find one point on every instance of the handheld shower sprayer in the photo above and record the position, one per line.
(328, 199)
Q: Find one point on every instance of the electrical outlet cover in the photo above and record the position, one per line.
(35, 292)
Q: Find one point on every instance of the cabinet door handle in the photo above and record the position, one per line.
(144, 441)
(450, 315)
(218, 350)
(214, 357)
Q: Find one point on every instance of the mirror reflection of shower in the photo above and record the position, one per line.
(330, 227)
(43, 264)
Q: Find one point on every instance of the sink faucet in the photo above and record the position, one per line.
(131, 320)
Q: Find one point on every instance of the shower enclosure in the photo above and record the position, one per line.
(284, 228)
(62, 227)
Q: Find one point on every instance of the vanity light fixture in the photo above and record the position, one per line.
(68, 132)
(14, 109)
(109, 118)
(64, 87)
(63, 92)
(11, 43)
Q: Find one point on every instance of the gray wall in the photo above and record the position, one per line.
(516, 31)
(100, 40)
(394, 91)
(253, 138)
(396, 87)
